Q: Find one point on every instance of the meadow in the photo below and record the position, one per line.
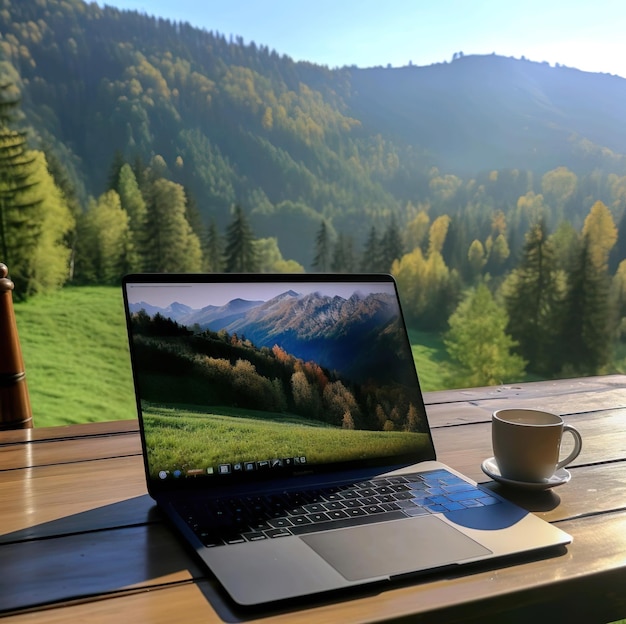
(76, 356)
(249, 436)
(77, 363)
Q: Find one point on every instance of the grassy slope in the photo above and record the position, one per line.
(430, 357)
(76, 356)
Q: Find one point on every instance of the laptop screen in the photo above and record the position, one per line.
(255, 376)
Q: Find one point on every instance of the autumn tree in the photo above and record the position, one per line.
(427, 286)
(559, 187)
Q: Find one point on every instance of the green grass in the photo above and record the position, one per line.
(77, 364)
(232, 437)
(76, 356)
(430, 357)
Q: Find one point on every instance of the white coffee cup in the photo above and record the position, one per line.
(527, 443)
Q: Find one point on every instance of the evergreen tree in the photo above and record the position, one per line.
(477, 342)
(171, 244)
(391, 246)
(343, 260)
(213, 249)
(370, 262)
(20, 206)
(587, 327)
(240, 253)
(104, 240)
(589, 320)
(114, 172)
(533, 302)
(618, 253)
(323, 250)
(133, 203)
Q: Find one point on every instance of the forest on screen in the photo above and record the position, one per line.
(213, 370)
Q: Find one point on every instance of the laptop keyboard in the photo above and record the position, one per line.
(219, 522)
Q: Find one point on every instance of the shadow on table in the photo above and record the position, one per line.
(126, 546)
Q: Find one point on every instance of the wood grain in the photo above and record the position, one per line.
(80, 540)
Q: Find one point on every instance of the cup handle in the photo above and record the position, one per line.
(578, 445)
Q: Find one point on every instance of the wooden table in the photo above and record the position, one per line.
(80, 539)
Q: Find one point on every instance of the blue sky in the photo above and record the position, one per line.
(587, 35)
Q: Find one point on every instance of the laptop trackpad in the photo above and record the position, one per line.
(392, 548)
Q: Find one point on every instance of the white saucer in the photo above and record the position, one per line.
(561, 476)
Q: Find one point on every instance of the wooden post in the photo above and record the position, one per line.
(15, 410)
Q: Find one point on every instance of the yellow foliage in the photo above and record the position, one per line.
(601, 233)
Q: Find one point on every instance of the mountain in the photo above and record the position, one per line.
(491, 112)
(295, 143)
(220, 317)
(358, 336)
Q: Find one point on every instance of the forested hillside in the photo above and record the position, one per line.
(130, 142)
(292, 142)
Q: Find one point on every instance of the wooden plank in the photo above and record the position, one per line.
(465, 447)
(67, 497)
(65, 451)
(45, 501)
(38, 434)
(550, 388)
(536, 586)
(476, 411)
(85, 564)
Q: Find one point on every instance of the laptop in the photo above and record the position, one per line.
(285, 436)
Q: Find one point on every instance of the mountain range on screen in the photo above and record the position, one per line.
(359, 336)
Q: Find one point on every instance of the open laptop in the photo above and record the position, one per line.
(284, 434)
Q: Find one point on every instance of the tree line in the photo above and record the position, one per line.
(542, 296)
(230, 370)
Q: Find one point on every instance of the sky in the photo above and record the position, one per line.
(587, 35)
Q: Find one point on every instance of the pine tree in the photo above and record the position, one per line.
(534, 301)
(588, 324)
(588, 307)
(20, 206)
(343, 255)
(370, 262)
(240, 254)
(391, 246)
(172, 245)
(213, 249)
(133, 203)
(323, 250)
